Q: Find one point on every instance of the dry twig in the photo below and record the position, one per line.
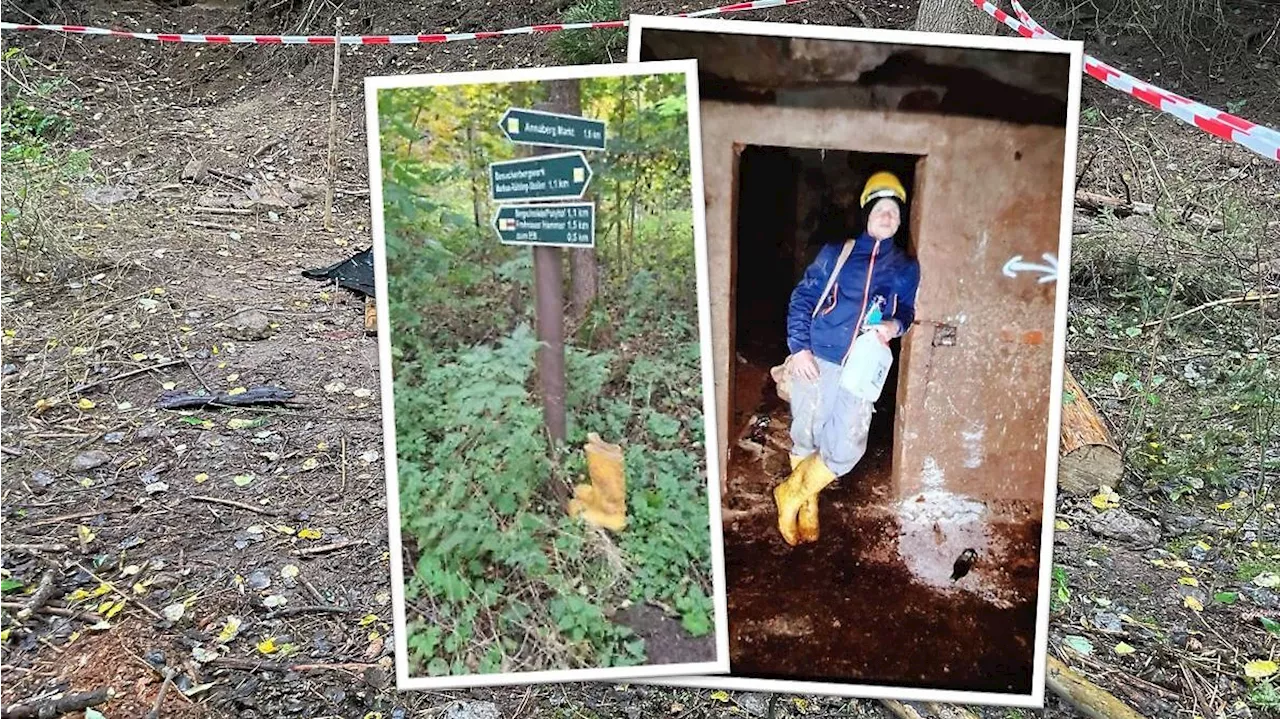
(239, 505)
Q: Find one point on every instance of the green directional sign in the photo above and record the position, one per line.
(570, 224)
(532, 127)
(562, 176)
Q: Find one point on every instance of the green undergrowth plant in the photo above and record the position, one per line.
(41, 170)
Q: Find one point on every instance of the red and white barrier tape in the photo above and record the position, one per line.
(1259, 138)
(381, 39)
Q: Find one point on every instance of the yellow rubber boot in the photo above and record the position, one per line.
(808, 516)
(604, 501)
(808, 479)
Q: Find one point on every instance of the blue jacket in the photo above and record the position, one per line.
(895, 277)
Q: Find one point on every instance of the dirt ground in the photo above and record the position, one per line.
(221, 512)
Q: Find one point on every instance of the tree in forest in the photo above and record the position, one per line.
(953, 16)
(582, 48)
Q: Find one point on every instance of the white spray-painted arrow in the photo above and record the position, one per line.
(1050, 270)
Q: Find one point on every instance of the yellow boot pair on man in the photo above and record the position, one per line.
(797, 498)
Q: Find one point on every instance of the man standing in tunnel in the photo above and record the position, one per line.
(865, 284)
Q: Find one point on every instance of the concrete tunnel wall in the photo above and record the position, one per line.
(974, 393)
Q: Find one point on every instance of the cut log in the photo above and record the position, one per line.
(1096, 203)
(370, 316)
(1088, 458)
(1087, 698)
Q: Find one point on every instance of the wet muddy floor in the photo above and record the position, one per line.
(847, 608)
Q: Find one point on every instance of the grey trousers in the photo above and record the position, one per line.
(828, 420)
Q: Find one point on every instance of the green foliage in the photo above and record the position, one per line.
(1061, 589)
(495, 567)
(39, 166)
(589, 47)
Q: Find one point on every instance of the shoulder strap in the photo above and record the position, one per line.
(844, 255)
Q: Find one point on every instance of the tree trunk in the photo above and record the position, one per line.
(617, 191)
(471, 170)
(954, 16)
(1088, 456)
(582, 261)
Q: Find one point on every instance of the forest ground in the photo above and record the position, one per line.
(128, 277)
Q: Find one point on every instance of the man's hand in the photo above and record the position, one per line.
(887, 330)
(804, 365)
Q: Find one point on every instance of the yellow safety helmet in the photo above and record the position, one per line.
(882, 184)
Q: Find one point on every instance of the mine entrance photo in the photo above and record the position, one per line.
(883, 236)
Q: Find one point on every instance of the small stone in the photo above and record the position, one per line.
(754, 704)
(113, 437)
(9, 368)
(86, 461)
(155, 657)
(249, 326)
(195, 170)
(146, 432)
(1265, 598)
(473, 710)
(1123, 527)
(1107, 620)
(258, 580)
(42, 478)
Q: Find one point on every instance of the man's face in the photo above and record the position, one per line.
(884, 219)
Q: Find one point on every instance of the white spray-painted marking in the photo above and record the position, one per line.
(932, 473)
(1050, 270)
(973, 445)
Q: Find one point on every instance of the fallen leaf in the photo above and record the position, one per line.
(229, 630)
(285, 529)
(720, 695)
(275, 600)
(202, 655)
(1193, 604)
(334, 387)
(157, 487)
(368, 619)
(310, 463)
(1078, 644)
(91, 713)
(309, 533)
(130, 570)
(199, 688)
(1224, 506)
(116, 608)
(169, 385)
(246, 423)
(363, 392)
(201, 478)
(1259, 668)
(237, 390)
(1272, 626)
(174, 612)
(1106, 498)
(1061, 525)
(1226, 597)
(289, 571)
(232, 377)
(85, 403)
(86, 535)
(268, 646)
(1267, 579)
(243, 480)
(1124, 649)
(1189, 581)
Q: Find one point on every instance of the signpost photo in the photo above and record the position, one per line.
(547, 393)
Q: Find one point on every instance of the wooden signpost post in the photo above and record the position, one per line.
(531, 194)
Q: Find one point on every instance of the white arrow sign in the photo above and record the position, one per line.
(1015, 265)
